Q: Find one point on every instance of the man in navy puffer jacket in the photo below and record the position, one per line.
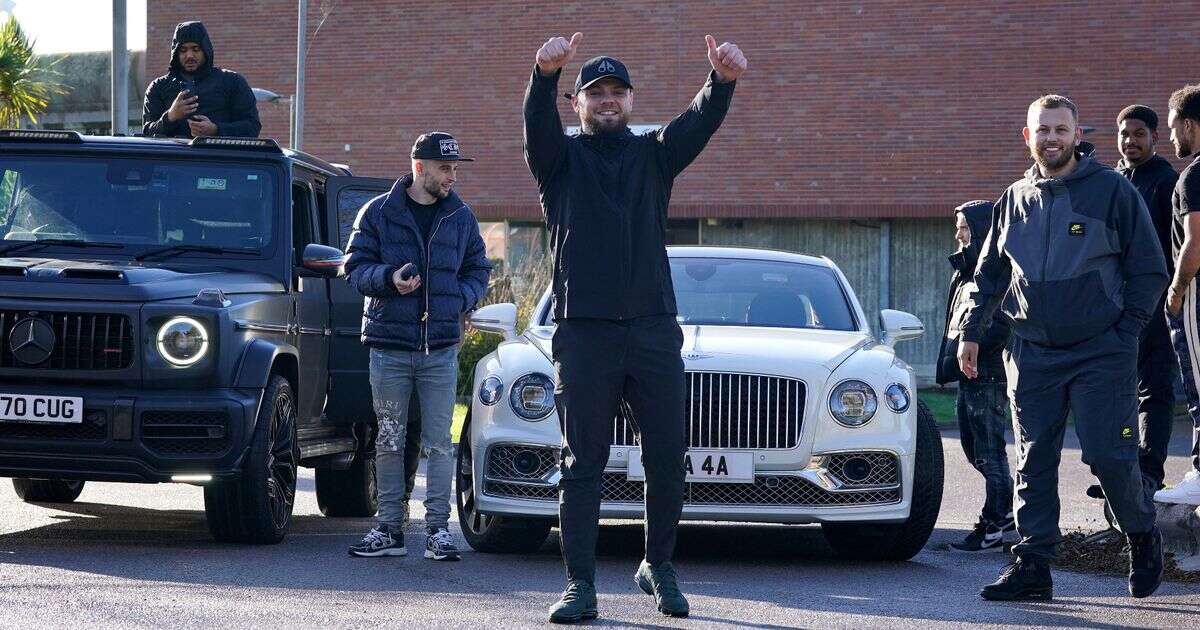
(411, 323)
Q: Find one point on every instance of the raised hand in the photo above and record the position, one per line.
(556, 52)
(727, 60)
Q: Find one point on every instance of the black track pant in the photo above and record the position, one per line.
(600, 364)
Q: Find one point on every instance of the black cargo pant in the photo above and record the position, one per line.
(1157, 370)
(982, 419)
(1096, 381)
(599, 365)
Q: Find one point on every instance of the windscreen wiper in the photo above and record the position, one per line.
(65, 242)
(175, 250)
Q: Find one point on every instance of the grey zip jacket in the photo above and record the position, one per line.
(1067, 259)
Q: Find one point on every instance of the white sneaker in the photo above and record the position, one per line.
(1186, 492)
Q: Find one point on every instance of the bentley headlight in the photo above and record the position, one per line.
(532, 396)
(853, 403)
(897, 398)
(182, 341)
(490, 390)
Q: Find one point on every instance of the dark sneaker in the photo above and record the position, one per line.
(439, 545)
(660, 582)
(1024, 579)
(381, 541)
(577, 603)
(1145, 563)
(985, 537)
(1009, 524)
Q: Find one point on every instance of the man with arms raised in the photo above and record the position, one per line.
(604, 194)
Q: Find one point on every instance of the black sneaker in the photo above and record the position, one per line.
(1025, 579)
(439, 545)
(380, 541)
(985, 537)
(1009, 524)
(577, 603)
(660, 581)
(1145, 563)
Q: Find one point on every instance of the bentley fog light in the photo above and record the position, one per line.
(532, 396)
(897, 398)
(490, 390)
(853, 403)
(182, 341)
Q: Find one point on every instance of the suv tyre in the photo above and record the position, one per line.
(47, 490)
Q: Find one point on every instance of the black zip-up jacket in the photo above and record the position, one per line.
(958, 303)
(1155, 179)
(605, 197)
(1069, 258)
(225, 96)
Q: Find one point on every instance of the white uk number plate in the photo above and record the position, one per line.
(24, 408)
(704, 466)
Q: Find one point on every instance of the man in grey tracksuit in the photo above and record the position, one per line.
(1073, 261)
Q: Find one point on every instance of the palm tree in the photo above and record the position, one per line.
(24, 89)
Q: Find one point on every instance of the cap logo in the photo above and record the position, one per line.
(606, 66)
(449, 147)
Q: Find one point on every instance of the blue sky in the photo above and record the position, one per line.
(76, 25)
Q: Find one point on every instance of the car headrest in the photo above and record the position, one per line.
(777, 308)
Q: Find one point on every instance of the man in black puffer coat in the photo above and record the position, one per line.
(982, 401)
(196, 98)
(411, 323)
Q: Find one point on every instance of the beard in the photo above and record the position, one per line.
(1183, 149)
(434, 188)
(1047, 164)
(591, 125)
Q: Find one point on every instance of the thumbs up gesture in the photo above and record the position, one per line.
(727, 60)
(556, 52)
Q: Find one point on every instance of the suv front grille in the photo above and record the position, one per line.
(185, 432)
(82, 341)
(94, 428)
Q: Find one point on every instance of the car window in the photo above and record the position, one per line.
(350, 201)
(137, 202)
(740, 292)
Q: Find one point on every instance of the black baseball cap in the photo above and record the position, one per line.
(437, 145)
(598, 68)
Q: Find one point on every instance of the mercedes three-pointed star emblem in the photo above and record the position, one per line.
(31, 341)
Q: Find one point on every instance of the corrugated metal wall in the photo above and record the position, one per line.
(920, 274)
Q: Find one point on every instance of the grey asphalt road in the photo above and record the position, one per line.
(140, 557)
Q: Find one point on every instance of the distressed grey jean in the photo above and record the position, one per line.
(394, 376)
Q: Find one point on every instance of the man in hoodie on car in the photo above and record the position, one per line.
(195, 98)
(604, 194)
(982, 401)
(1073, 261)
(1154, 178)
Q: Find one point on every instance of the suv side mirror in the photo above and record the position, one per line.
(899, 326)
(497, 318)
(323, 260)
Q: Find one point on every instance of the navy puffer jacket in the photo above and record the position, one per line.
(454, 275)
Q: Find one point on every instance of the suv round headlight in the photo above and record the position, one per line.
(182, 341)
(897, 398)
(532, 396)
(490, 390)
(853, 403)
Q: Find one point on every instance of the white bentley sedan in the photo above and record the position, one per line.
(798, 413)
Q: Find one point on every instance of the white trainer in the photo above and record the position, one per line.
(1186, 492)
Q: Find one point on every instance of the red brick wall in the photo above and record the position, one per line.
(849, 109)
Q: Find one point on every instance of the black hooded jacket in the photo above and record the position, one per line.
(225, 97)
(1155, 180)
(995, 337)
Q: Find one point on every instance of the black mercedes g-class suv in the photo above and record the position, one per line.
(171, 311)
